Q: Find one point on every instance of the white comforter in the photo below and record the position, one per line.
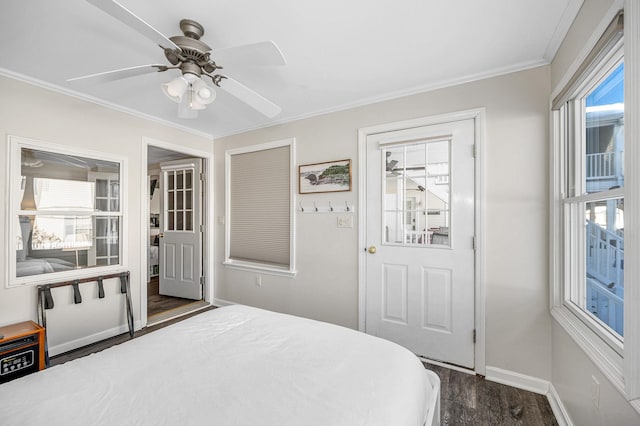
(230, 366)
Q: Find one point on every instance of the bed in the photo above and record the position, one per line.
(37, 266)
(234, 365)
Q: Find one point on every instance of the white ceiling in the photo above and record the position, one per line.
(339, 53)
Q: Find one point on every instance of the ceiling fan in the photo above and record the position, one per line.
(193, 58)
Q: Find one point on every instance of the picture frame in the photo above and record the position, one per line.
(330, 176)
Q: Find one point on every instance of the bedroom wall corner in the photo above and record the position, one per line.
(36, 113)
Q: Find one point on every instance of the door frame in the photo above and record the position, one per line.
(207, 219)
(478, 116)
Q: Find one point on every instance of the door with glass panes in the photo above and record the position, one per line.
(420, 278)
(106, 250)
(180, 243)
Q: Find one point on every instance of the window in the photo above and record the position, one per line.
(593, 200)
(66, 213)
(259, 208)
(590, 188)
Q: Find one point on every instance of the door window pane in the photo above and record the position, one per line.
(416, 194)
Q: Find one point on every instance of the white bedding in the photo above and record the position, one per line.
(232, 366)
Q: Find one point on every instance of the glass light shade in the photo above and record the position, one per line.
(202, 94)
(175, 89)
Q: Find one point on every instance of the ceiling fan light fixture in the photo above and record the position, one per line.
(202, 93)
(175, 89)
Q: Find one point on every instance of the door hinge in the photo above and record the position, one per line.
(475, 150)
(474, 335)
(201, 228)
(202, 280)
(202, 176)
(473, 242)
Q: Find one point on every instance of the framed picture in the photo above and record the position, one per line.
(332, 176)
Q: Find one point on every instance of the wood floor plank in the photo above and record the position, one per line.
(471, 400)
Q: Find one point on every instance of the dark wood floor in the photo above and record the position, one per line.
(157, 303)
(465, 399)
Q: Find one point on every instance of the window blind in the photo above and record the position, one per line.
(609, 38)
(260, 206)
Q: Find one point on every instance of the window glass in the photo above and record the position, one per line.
(597, 209)
(604, 133)
(69, 215)
(417, 192)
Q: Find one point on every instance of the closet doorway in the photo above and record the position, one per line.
(175, 273)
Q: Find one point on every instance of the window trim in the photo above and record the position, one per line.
(619, 368)
(265, 268)
(14, 147)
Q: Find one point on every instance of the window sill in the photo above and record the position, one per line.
(55, 277)
(603, 356)
(262, 268)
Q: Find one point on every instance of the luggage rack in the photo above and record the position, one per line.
(45, 299)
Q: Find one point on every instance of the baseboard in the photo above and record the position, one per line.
(221, 302)
(517, 380)
(558, 408)
(93, 338)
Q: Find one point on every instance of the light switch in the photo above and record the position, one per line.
(345, 221)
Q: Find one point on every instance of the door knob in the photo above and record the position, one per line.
(161, 235)
(372, 250)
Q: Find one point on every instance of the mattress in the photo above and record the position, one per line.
(232, 366)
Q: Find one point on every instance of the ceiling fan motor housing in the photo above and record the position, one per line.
(191, 28)
(194, 53)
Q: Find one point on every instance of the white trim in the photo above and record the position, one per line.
(517, 380)
(479, 117)
(87, 98)
(559, 410)
(92, 338)
(222, 302)
(568, 16)
(632, 200)
(14, 146)
(258, 267)
(207, 218)
(255, 267)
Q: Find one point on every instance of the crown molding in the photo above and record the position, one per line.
(83, 97)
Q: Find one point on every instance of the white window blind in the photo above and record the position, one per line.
(260, 198)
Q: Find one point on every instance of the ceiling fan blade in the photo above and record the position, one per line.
(124, 15)
(265, 53)
(107, 76)
(250, 97)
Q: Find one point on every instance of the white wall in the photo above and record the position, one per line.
(326, 288)
(572, 379)
(572, 370)
(32, 112)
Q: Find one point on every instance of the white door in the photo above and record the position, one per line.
(420, 240)
(180, 249)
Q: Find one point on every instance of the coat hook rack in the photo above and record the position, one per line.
(325, 207)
